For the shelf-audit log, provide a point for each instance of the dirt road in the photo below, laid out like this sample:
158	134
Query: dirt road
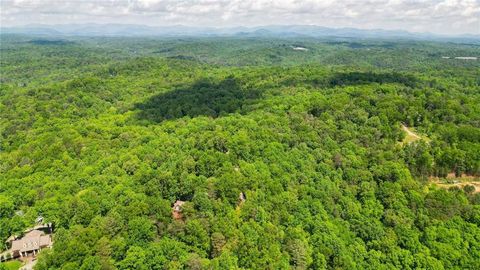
410	133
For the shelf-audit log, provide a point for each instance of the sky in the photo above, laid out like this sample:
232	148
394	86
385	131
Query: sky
435	16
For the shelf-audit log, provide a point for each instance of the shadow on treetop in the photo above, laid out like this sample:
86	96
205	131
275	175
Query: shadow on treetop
208	97
356	78
205	97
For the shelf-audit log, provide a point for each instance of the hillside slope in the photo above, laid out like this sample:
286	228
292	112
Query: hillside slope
103	143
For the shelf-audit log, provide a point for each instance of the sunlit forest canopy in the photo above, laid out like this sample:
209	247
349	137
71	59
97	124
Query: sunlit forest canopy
345	154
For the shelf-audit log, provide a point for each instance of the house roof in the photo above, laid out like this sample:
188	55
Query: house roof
177	209
40	227
177	206
45	240
11	238
32	240
33	233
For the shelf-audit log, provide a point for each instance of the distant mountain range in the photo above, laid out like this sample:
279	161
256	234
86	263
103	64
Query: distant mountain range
259	31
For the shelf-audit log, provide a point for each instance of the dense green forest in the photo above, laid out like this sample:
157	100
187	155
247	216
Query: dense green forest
101	136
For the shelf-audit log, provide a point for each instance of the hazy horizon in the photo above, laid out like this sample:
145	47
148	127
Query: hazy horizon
444	17
230	27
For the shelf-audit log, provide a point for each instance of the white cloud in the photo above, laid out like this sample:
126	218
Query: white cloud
440	16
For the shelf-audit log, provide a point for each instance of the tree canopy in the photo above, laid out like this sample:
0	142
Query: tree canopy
101	141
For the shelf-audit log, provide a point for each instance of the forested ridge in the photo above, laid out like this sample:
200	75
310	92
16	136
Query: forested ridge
101	136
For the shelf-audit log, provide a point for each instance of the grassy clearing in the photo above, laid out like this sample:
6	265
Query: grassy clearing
412	136
460	185
12	265
452	181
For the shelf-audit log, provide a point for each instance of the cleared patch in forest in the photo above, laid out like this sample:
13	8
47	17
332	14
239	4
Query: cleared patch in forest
412	136
461	182
298	48
466	57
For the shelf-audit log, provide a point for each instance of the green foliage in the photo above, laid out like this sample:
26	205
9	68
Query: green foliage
135	259
102	141
10	265
140	231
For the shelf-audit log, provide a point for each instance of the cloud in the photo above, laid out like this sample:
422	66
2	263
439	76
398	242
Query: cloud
439	16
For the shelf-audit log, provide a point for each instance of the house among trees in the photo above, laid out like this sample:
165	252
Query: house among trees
242	197
177	209
31	242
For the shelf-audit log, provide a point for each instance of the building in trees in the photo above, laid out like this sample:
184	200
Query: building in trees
241	198
177	209
31	242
